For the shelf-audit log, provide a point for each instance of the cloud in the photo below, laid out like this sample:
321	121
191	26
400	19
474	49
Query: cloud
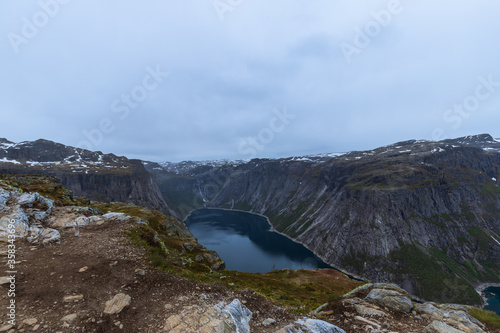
226	77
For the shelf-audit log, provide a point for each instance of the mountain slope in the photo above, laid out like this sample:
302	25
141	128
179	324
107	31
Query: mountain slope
420	213
98	176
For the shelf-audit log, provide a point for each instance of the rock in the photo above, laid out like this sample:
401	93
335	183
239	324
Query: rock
69	318
117	216
188	246
366	321
440	327
43	235
117	303
455	307
430	310
233	317
4	198
28	199
307	325
390	299
30	321
240	315
5	328
465	319
268	321
73	298
5	280
20	221
368	311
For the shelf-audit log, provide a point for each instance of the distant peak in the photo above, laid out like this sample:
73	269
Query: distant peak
475	138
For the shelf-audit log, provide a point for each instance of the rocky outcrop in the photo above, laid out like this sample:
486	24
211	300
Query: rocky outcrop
22	215
94	175
367	212
375	306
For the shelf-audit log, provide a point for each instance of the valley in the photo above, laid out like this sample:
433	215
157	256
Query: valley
422	214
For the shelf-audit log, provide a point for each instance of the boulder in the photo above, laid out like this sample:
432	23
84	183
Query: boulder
390	299
430	310
4	198
28	199
117	304
440	327
43	235
230	318
308	325
368	311
241	315
20	222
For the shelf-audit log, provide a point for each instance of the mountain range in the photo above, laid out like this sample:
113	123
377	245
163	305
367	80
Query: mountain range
423	214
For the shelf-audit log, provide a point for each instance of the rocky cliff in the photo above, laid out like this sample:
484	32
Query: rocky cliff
422	214
97	176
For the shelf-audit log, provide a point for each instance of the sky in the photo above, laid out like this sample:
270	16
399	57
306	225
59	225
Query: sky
237	79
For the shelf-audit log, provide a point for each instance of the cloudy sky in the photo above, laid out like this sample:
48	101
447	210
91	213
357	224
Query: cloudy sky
192	80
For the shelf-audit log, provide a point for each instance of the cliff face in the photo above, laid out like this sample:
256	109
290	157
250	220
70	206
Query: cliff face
419	213
97	176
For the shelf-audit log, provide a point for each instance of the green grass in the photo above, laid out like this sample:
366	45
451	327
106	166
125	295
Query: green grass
485	316
47	186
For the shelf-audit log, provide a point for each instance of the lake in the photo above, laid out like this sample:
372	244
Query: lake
493	294
244	241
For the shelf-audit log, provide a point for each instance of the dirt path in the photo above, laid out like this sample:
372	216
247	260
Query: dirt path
97	265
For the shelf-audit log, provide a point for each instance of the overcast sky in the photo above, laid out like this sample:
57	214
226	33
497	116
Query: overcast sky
200	79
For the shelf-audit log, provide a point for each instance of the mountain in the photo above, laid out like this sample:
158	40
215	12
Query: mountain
97	176
419	213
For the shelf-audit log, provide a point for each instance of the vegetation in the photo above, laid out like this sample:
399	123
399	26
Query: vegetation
47	186
440	277
485	316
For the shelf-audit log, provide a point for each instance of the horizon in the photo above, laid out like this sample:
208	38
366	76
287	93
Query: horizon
260	157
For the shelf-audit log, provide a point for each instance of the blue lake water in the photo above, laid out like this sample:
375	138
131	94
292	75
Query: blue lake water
493	294
244	241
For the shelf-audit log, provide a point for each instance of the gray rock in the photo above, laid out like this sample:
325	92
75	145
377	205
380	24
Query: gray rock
4	198
307	325
440	327
188	246
430	310
117	216
28	199
268	321
240	315
467	320
43	235
390	299
20	222
368	311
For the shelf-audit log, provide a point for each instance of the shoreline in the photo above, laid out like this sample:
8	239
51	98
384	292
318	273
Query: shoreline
480	288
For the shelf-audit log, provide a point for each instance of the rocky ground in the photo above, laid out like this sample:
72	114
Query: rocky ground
93	279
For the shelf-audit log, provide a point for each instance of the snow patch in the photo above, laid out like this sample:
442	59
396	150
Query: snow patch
5	160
